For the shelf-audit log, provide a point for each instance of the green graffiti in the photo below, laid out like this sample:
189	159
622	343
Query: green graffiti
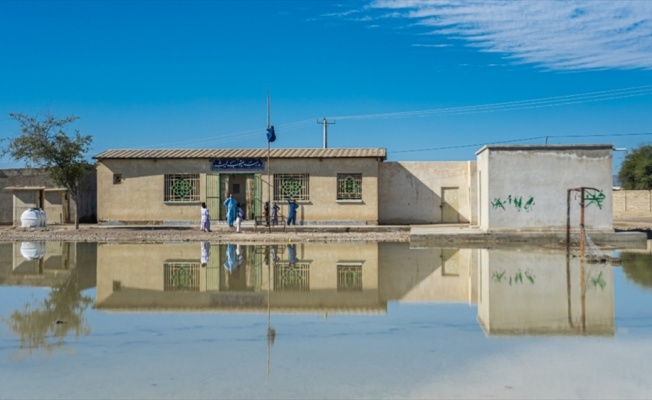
596	198
498	276
516	279
497	203
516	201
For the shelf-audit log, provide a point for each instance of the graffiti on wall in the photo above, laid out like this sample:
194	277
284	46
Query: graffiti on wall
516	202
516	279
594	197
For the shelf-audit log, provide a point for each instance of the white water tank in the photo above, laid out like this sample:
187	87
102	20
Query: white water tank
32	250
31	218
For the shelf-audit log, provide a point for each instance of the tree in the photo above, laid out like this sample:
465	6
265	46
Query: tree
636	170
43	143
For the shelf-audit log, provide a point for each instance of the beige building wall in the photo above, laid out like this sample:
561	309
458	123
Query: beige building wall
138	198
412	192
634	202
426	275
323	206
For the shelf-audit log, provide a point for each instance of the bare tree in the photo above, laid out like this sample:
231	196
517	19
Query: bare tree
44	143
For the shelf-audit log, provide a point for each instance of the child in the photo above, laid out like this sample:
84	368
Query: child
239	218
205	219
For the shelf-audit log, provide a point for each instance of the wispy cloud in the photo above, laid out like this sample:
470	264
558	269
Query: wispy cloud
564	35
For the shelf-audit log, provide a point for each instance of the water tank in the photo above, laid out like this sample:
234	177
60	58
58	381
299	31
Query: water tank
32	250
31	218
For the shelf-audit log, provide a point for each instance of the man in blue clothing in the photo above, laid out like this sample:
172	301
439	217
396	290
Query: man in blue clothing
231	206
292	212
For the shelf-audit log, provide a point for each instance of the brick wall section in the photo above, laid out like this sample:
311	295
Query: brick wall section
632	201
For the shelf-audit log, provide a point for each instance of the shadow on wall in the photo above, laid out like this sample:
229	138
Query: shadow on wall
414	195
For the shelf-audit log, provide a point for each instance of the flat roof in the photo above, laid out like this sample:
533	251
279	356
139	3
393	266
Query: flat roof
241	153
544	147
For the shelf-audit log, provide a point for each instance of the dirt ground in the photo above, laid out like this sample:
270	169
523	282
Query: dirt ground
158	234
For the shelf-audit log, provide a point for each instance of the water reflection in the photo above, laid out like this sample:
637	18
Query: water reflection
68	269
522	292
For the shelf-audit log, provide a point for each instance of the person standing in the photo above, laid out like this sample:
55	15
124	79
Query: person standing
266	213
231	205
239	218
205	218
292	212
275	209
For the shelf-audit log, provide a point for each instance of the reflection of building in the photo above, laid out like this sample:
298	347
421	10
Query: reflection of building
318	278
46	263
517	291
534	293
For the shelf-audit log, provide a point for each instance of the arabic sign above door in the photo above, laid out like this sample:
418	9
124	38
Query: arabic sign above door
237	164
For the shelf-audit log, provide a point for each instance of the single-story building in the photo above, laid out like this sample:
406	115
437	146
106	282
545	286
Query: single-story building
167	186
521	187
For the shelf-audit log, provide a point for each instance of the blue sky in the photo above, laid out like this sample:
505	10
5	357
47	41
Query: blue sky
427	80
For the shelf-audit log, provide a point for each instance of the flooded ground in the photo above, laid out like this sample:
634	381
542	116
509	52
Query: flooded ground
198	320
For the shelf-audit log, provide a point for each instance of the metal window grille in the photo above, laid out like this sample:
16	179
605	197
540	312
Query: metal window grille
181	276
349	186
291	186
181	188
349	277
292	277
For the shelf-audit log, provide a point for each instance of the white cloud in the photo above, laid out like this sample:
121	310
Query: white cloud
572	34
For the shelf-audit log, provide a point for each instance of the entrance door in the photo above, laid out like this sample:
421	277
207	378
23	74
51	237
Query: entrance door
246	191
450	200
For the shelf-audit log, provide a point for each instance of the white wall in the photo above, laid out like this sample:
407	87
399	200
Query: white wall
525	187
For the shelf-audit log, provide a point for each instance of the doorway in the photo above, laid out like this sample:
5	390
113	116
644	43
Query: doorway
244	187
450	202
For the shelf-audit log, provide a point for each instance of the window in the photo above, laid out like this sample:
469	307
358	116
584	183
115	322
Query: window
349	186
349	277
117	179
181	188
181	276
292	277
291	186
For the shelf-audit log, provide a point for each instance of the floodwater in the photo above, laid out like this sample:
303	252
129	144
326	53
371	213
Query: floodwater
320	321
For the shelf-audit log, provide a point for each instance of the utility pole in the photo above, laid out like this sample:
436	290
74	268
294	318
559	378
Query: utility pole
325	123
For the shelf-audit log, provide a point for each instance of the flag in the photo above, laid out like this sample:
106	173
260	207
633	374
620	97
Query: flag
271	135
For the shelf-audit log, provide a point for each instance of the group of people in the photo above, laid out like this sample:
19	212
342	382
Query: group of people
235	214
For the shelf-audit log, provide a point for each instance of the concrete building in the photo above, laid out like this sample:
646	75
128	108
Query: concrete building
167	186
526	187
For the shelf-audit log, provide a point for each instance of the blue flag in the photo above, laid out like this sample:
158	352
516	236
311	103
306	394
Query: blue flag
271	135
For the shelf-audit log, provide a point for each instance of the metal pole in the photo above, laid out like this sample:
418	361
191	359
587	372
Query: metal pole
269	182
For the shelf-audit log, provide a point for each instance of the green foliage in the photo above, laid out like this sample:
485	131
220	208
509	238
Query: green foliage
636	170
638	267
43	143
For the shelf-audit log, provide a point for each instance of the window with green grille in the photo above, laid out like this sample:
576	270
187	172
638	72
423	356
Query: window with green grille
291	186
349	186
349	277
181	188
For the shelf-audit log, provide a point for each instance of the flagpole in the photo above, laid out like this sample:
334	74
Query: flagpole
269	183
